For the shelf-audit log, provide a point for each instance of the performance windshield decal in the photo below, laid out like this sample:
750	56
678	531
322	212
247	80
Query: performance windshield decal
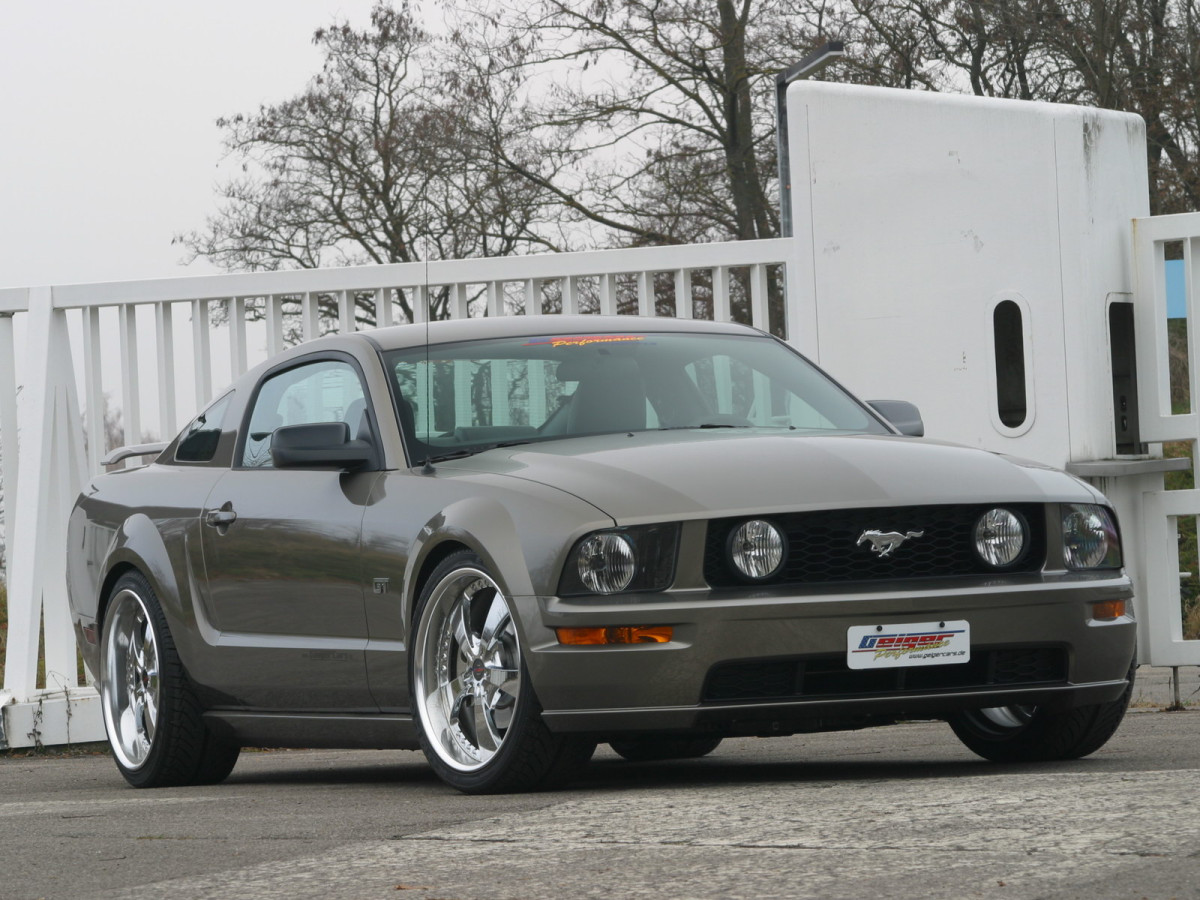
585	339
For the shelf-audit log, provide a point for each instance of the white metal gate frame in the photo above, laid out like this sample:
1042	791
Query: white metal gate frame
1162	633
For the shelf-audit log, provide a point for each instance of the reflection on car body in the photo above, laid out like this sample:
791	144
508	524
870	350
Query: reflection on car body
506	540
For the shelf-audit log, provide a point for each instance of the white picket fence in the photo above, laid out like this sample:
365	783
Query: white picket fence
59	331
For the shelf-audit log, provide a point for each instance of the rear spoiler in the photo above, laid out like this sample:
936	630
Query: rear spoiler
121	453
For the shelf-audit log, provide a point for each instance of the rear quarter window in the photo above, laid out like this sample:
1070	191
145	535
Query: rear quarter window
199	440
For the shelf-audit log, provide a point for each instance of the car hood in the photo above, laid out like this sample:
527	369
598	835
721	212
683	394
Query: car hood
649	476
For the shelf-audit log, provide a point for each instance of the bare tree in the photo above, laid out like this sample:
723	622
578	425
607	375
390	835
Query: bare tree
654	119
375	162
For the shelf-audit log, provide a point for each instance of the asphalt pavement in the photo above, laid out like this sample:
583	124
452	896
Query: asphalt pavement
903	811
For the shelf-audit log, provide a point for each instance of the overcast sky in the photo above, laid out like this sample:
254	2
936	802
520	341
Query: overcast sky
108	145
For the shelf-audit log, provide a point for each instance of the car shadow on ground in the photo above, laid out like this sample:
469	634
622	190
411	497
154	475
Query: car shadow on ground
610	775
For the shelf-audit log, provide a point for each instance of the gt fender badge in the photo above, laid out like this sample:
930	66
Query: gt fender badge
884	542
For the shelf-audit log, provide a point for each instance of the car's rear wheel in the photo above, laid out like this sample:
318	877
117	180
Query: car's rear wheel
653	747
478	718
154	722
1037	734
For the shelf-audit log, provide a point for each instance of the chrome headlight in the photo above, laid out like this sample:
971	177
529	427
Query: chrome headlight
1090	538
605	563
756	549
1000	537
622	559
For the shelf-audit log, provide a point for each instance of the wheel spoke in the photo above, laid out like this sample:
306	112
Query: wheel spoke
498	618
460	693
486	738
462	634
502	679
137	650
149	714
148	657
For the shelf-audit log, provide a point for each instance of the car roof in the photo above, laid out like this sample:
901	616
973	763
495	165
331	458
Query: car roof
403	336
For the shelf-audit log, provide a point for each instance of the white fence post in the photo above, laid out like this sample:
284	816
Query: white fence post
202	342
53	468
164	340
8	427
131	396
93	388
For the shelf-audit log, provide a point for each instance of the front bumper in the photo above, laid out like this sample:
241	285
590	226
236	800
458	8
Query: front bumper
658	687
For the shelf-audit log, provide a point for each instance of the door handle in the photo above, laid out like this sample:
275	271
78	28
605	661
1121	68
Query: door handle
220	518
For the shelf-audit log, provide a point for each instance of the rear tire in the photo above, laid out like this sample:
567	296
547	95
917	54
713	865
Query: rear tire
154	722
654	747
479	721
1036	734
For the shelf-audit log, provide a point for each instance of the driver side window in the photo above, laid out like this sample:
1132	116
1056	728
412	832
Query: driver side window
323	391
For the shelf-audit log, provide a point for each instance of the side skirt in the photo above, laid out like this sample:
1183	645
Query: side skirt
357	732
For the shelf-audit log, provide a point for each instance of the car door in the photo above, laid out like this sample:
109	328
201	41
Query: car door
282	550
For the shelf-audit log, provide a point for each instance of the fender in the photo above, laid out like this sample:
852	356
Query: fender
484	526
139	543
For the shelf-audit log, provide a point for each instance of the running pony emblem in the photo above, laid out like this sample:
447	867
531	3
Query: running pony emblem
884	542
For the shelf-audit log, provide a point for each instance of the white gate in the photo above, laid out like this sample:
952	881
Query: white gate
1162	631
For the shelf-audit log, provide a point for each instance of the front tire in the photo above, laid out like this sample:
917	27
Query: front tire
1036	734
478	719
154	722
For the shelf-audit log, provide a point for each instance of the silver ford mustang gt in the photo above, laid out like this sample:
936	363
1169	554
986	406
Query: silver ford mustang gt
506	540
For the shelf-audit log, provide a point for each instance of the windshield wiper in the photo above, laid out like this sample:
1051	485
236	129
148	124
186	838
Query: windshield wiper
703	425
454	454
471	451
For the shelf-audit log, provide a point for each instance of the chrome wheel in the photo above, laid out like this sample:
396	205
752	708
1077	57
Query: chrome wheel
1007	718
467	672
130	680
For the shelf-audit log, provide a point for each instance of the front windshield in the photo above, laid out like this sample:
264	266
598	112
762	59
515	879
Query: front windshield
457	399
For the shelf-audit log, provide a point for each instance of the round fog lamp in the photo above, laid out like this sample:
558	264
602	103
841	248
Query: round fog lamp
999	537
756	548
606	563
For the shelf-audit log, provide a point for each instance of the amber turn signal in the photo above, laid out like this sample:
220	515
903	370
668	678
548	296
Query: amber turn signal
1109	609
632	634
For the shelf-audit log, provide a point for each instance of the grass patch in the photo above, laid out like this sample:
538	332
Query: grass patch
64	751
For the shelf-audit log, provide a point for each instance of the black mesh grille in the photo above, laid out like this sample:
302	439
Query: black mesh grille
822	547
829	676
1028	666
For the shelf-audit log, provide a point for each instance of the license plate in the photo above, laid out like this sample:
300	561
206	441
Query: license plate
909	644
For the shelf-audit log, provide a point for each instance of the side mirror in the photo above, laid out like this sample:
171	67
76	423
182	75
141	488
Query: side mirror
323	445
903	416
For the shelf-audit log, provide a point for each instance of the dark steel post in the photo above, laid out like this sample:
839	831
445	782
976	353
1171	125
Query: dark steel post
812	63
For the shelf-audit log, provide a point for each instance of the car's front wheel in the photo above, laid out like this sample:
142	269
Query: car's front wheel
478	718
154	722
1037	734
